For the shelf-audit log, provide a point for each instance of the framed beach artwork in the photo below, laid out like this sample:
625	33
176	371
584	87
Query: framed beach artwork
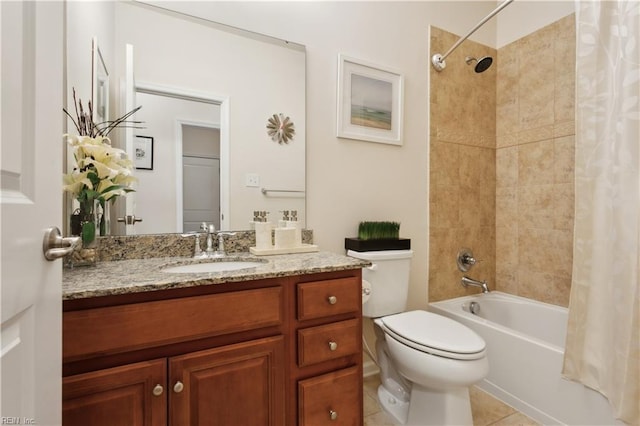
370	101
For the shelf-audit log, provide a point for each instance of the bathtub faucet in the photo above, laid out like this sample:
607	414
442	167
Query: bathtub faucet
466	282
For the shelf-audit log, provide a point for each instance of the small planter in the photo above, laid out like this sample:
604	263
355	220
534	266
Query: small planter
356	244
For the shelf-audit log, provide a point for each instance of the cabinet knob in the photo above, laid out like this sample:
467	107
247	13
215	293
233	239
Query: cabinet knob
333	346
157	390
332	300
178	387
333	415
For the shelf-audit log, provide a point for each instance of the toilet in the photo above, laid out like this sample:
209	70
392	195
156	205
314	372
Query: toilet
427	361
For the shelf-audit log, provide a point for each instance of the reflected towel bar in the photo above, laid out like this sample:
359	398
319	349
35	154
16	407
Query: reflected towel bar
293	193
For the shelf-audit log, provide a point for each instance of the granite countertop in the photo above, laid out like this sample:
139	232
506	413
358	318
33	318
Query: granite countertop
142	275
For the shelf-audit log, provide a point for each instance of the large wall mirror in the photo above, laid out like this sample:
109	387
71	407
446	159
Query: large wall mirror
207	92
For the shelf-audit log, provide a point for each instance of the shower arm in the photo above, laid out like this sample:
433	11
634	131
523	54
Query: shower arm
438	60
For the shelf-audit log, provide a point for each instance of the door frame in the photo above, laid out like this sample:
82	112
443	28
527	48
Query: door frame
210	98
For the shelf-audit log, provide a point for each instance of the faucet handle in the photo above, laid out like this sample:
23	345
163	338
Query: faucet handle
197	251
465	259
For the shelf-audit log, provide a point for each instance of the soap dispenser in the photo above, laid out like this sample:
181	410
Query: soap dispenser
293	223
263	231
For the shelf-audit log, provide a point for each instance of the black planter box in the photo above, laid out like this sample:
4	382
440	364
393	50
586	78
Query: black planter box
357	244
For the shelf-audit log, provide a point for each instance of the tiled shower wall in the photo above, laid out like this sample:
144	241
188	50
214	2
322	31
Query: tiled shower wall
502	165
535	164
462	166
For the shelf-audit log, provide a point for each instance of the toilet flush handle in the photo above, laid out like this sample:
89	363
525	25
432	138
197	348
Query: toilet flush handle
373	267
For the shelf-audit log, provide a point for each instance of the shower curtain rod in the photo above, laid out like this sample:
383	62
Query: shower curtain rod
438	60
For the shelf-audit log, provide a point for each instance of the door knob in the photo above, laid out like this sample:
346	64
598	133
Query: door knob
55	246
130	219
178	387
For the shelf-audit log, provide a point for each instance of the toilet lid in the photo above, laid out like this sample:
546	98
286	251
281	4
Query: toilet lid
435	334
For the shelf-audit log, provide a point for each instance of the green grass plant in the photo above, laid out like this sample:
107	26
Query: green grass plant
379	230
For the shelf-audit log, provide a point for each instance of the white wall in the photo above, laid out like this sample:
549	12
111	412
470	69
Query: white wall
521	18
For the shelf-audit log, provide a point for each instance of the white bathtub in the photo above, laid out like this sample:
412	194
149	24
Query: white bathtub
525	344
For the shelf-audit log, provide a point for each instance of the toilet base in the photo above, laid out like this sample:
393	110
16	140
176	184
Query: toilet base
439	407
395	408
428	407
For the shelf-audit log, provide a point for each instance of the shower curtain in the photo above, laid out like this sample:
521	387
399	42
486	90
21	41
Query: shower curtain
602	349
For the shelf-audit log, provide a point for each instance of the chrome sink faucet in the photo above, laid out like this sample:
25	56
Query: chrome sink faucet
466	282
209	229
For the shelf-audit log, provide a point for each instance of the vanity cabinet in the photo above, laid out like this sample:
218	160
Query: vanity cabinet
277	351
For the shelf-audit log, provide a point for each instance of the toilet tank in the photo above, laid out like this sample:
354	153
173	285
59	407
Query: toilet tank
389	279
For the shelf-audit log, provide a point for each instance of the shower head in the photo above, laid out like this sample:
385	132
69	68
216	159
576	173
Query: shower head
482	64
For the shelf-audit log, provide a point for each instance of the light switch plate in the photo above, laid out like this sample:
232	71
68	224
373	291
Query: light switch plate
252	179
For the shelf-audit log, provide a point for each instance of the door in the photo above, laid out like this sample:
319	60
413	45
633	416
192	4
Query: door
235	385
30	202
200	192
128	395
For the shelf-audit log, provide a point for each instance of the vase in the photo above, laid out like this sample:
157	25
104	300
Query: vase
85	223
105	218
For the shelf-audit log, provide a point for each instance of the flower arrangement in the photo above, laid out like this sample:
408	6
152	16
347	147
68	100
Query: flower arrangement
101	173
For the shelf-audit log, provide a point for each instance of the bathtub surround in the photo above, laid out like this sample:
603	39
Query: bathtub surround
462	167
534	164
502	166
603	348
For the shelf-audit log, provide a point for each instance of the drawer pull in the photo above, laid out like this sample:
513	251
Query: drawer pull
157	390
178	387
333	415
332	300
333	346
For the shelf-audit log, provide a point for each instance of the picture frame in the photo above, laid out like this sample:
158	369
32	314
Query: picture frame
99	84
370	102
143	149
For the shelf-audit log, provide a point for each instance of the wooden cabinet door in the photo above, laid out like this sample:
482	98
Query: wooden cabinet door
129	395
240	384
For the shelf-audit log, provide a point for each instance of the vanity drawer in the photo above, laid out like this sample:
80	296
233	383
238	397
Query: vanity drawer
331	297
325	342
116	329
333	398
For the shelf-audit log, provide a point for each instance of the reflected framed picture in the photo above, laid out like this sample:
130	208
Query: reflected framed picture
143	148
370	100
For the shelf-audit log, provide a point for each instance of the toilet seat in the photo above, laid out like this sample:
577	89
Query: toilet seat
434	334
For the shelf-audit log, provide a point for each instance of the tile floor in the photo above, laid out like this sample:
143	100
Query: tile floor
486	410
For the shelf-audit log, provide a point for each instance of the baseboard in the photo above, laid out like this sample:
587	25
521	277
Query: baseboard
369	368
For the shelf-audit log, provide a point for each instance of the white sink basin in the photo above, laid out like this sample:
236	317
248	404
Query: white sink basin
205	267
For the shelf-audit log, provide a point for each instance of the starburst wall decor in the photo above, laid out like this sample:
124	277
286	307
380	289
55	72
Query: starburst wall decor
280	128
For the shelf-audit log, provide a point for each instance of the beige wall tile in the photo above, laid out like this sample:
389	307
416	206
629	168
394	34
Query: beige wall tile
536	206
564	159
507	167
563	202
535	163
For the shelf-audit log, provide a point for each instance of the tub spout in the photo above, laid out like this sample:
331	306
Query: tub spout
466	282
